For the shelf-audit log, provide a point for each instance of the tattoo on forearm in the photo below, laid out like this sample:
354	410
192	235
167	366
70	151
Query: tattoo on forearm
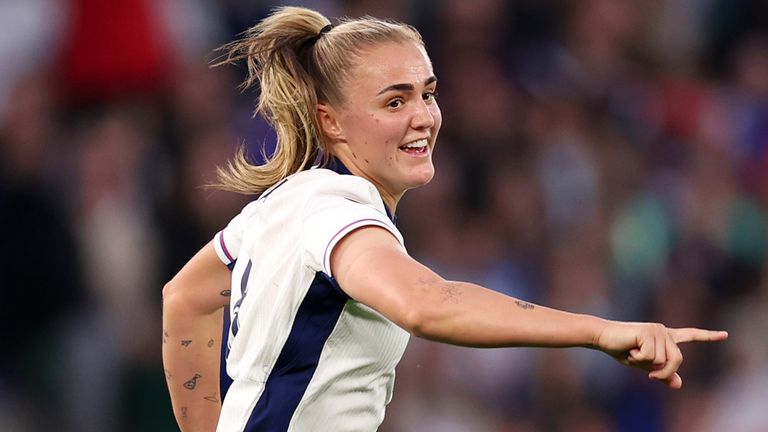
210	343
183	412
192	383
212	398
226	293
186	342
425	281
451	293
523	305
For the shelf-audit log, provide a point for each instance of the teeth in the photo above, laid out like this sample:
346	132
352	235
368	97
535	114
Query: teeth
417	144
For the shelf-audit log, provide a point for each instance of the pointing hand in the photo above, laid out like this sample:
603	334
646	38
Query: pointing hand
652	347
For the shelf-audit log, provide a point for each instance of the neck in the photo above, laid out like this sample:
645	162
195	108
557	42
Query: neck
389	200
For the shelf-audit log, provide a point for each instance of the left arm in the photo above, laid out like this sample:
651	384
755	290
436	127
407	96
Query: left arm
193	304
374	269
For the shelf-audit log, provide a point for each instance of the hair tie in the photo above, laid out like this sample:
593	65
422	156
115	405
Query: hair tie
326	29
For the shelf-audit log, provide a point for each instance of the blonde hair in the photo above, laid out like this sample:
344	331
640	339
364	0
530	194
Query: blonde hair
297	59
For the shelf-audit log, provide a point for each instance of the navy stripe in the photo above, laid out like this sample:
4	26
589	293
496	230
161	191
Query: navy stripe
315	320
272	189
224	380
336	166
243	291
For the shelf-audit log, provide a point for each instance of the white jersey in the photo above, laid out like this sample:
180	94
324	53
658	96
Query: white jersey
302	355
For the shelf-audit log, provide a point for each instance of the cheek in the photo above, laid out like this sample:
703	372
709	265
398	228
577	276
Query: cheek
391	130
438	116
380	134
374	137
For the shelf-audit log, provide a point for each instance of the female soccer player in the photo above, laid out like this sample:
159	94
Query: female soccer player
323	295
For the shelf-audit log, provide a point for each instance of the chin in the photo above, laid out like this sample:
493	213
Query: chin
420	179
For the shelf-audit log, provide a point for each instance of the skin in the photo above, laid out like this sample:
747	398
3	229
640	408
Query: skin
389	102
193	303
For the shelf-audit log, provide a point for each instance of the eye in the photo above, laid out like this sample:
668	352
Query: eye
395	103
429	96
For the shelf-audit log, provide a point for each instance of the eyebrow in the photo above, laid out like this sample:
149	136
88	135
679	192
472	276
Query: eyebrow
406	87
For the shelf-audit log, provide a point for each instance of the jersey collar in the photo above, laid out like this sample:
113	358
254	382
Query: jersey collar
335	165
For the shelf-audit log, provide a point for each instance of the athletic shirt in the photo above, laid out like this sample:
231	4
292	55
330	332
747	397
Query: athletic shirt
301	354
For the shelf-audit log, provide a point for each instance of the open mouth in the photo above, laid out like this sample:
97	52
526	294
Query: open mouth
419	147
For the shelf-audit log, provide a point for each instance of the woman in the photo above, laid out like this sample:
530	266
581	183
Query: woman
323	293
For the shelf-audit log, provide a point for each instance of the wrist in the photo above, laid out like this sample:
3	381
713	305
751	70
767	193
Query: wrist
596	330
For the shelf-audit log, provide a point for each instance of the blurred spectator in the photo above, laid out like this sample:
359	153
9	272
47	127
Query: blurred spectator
41	283
30	29
112	49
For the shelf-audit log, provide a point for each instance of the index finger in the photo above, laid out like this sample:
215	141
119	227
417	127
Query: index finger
682	335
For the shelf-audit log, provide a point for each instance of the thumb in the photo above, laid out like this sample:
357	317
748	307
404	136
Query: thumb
674	382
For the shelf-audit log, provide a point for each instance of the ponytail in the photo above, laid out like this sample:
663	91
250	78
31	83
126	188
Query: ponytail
272	51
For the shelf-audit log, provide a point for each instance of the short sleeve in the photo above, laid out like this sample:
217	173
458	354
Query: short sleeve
336	208
227	241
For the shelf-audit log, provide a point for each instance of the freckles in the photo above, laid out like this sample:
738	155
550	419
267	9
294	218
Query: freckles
366	161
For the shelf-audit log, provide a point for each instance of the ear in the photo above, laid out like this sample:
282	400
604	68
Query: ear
329	122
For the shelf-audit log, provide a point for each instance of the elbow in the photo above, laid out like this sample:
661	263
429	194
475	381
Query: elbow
176	301
167	290
422	316
417	321
170	294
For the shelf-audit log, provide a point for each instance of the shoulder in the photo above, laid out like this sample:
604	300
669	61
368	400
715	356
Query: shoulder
312	192
322	183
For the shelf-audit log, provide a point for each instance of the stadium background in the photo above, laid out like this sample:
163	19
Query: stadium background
601	156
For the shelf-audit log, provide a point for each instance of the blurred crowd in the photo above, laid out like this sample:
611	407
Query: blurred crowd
599	156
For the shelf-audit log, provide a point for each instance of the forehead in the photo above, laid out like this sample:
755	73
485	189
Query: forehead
390	63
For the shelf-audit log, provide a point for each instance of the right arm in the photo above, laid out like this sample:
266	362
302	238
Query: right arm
193	303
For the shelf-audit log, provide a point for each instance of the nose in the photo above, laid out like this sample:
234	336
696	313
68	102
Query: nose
423	118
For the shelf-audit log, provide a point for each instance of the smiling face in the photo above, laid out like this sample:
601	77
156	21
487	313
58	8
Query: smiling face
385	130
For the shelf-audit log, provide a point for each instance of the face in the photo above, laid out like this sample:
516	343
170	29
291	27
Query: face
388	124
